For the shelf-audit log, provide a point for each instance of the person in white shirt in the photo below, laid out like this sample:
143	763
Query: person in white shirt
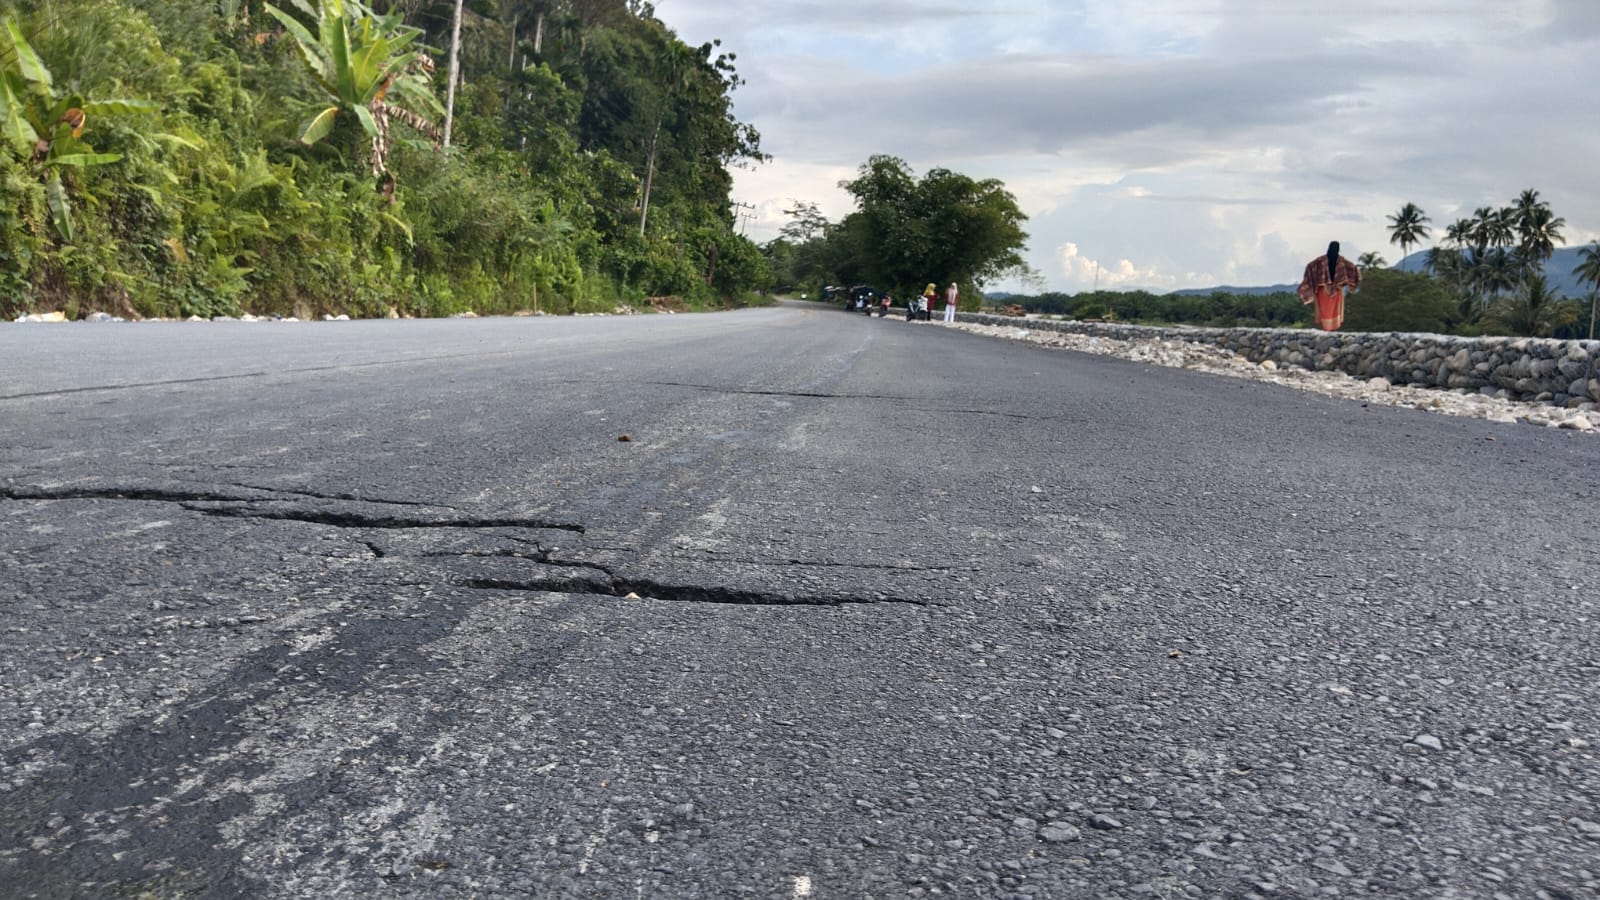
950	297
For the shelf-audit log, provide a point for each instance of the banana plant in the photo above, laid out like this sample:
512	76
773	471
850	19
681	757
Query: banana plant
371	68
45	128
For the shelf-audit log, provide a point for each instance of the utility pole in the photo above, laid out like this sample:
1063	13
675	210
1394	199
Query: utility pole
742	216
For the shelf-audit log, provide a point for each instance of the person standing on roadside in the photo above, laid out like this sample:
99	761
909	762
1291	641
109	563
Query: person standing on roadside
1325	282
951	295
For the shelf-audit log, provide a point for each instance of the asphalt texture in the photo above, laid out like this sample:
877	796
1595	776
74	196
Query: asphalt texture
776	603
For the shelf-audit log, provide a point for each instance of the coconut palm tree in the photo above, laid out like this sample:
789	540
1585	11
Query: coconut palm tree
1459	232
1533	311
1408	227
1498	271
1538	233
1588	272
1490	228
1371	259
1526	203
1588	268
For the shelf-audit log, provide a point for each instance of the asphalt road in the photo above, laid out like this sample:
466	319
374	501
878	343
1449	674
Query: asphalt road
776	603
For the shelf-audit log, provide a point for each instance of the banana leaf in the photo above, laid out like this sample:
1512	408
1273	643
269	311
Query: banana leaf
317	127
120	107
83	159
13	116
28	62
55	194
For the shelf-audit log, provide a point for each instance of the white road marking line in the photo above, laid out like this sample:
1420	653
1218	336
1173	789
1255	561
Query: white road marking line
595	840
802	886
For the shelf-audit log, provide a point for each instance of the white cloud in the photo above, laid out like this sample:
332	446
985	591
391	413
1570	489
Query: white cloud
1202	138
1083	273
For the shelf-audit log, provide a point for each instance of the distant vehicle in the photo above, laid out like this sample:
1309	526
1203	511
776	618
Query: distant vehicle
863	299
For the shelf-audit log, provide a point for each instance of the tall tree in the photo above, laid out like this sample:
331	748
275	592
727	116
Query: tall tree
945	227
454	72
1538	233
1588	268
1408	227
1588	272
806	222
1490	228
1371	259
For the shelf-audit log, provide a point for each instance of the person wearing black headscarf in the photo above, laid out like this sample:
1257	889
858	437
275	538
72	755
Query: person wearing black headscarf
1325	282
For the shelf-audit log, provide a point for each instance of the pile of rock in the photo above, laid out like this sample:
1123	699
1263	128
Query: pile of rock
1304	352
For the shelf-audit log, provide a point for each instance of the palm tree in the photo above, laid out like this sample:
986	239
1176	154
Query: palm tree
1408	227
1498	271
1459	232
1533	311
1588	268
1525	205
1490	228
1588	272
1371	259
1539	231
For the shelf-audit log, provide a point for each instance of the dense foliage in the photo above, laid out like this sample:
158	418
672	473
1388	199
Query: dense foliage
1218	309
906	232
183	157
1491	265
1388	300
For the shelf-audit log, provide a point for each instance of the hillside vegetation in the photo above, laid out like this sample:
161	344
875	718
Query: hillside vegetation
197	157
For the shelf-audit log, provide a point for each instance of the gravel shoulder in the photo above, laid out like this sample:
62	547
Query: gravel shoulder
1218	361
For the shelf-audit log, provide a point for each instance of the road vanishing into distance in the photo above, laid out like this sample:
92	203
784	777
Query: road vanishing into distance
774	603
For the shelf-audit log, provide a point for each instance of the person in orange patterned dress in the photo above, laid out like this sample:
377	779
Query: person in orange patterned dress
1325	282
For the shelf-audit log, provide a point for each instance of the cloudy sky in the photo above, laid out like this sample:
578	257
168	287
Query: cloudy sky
1163	144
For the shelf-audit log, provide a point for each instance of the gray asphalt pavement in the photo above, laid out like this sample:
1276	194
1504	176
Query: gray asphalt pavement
778	603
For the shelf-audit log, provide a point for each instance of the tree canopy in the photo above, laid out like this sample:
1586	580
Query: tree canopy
944	227
294	162
906	232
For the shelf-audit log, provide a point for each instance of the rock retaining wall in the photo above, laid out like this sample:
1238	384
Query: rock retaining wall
1565	373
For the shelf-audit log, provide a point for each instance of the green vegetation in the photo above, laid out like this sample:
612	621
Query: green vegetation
1485	277
1491	265
906	232
204	157
1215	310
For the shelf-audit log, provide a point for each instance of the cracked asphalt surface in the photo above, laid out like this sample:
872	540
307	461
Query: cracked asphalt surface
858	608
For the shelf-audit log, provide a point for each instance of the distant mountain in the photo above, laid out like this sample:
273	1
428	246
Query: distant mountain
1242	291
1557	270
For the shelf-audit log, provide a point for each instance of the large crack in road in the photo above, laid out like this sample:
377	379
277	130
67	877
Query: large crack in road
154	801
552	575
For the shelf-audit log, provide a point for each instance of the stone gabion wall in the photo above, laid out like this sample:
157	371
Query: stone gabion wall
1565	373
